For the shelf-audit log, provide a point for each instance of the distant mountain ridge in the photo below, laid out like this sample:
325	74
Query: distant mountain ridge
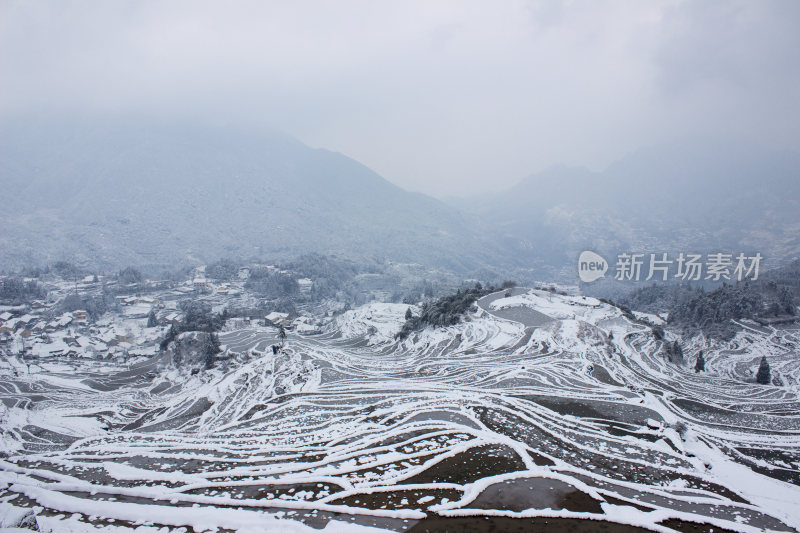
683	197
119	191
116	192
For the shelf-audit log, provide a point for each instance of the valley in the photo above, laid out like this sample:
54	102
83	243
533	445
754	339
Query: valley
561	421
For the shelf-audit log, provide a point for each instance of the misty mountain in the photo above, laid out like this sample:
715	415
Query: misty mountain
110	193
698	197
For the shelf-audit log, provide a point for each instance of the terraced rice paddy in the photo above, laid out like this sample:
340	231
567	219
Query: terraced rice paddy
538	412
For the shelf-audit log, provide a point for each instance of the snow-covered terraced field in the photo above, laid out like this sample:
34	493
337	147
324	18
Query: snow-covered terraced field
573	419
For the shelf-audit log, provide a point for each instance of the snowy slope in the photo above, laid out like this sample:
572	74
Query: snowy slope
581	417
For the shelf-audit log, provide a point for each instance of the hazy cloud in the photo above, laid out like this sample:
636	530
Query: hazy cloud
442	97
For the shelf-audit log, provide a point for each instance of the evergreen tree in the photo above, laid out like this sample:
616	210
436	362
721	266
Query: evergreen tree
700	365
210	349
763	375
677	350
129	275
786	301
674	352
168	338
443	312
408	313
151	320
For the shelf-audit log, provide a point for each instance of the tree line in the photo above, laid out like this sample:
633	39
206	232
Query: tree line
445	311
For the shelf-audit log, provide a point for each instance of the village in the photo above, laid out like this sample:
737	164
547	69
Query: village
135	320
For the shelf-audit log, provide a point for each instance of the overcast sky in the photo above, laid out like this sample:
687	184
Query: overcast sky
447	98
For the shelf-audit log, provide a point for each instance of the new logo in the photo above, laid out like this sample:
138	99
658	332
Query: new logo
591	266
